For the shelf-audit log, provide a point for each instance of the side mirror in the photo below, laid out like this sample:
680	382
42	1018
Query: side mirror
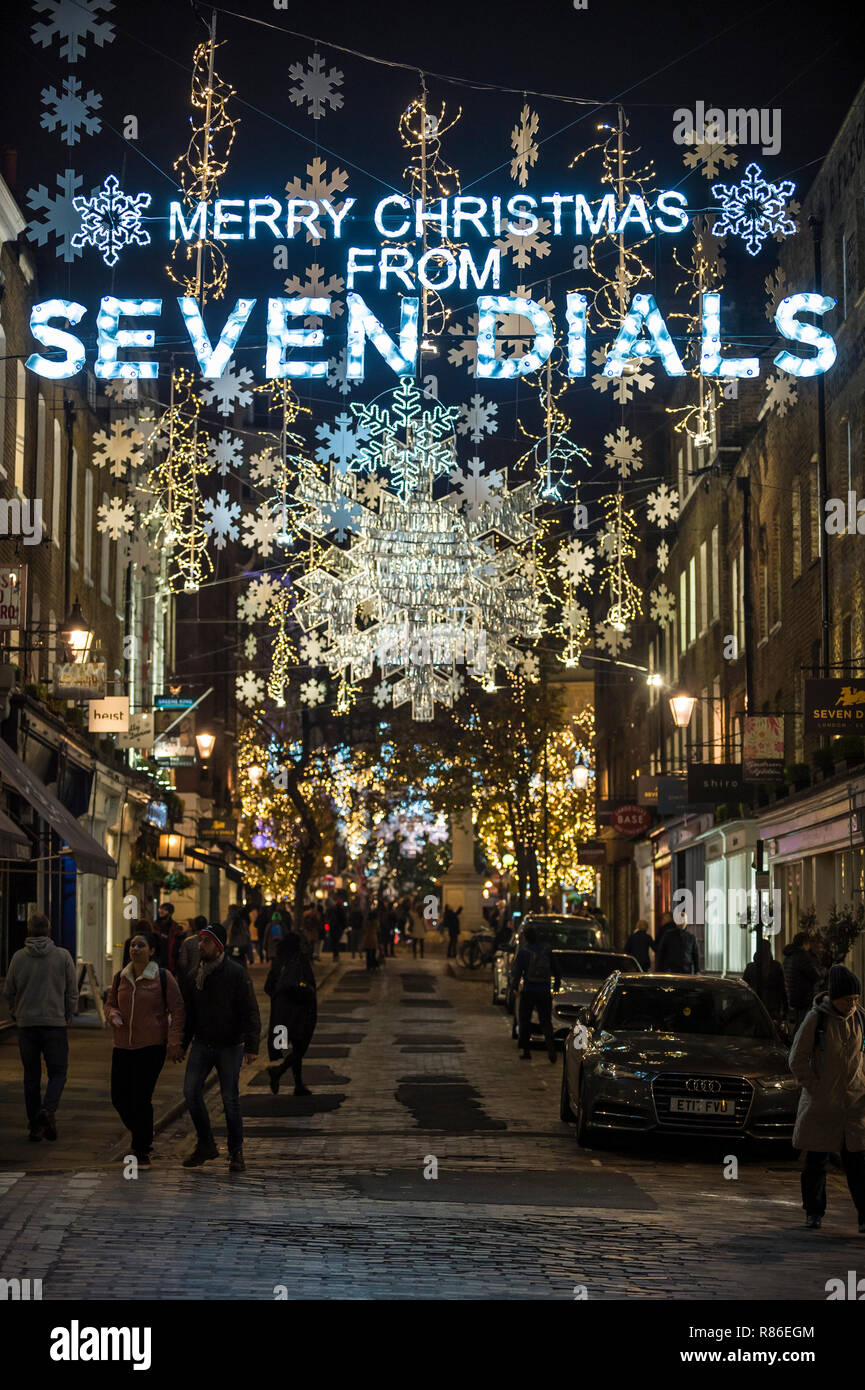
584	1017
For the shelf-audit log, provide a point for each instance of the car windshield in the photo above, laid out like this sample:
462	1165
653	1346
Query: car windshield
591	965
562	934
719	1011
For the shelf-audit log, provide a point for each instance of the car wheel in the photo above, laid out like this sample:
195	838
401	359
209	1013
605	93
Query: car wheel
584	1131
566	1114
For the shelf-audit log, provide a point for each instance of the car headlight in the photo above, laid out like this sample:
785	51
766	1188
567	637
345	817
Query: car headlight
783	1082
620	1070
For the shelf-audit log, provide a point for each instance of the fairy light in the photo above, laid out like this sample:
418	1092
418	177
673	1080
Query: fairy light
172	485
429	176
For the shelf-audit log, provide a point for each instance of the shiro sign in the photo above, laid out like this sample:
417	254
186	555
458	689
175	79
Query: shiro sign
399	264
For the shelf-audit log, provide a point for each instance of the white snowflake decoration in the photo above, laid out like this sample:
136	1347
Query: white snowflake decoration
370	492
73	21
226	452
250	647
478	418
311	650
61	219
337	378
318	186
316	86
382	696
316	287
229	391
121	446
576	562
249	688
781	395
611	639
111	220
342	442
254	603
71	110
623	452
663	557
776	289
709	154
754	209
662	604
634	377
313	692
263	467
116	517
476	488
662	507
523	141
521	249
260	529
222	519
530	668
122	388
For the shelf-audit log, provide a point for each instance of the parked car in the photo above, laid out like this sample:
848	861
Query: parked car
677	1054
582	974
562	931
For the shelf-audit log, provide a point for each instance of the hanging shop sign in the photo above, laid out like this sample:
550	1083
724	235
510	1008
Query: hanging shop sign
139	734
174	746
110	715
591	852
666	795
630	820
711	783
834	706
80	680
214	828
763	747
175	697
12	589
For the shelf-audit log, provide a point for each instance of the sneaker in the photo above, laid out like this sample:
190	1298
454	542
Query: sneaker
200	1154
302	1091
236	1163
815	1222
49	1127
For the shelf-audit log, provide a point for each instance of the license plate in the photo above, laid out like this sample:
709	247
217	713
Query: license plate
694	1105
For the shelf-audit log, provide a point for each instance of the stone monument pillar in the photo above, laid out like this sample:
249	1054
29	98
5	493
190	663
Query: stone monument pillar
462	885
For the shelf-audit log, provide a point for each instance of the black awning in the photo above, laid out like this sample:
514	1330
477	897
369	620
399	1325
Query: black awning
217	861
89	856
13	842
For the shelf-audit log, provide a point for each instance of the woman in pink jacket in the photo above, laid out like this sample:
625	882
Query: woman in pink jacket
145	1008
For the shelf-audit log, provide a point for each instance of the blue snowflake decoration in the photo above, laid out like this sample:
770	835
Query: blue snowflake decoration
111	220
341	516
342	441
754	209
71	111
61	218
73	21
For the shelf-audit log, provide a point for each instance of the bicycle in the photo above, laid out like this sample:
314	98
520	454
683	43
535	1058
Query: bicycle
477	952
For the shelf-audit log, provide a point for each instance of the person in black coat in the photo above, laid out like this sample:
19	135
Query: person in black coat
293	1009
766	979
801	975
640	943
678	953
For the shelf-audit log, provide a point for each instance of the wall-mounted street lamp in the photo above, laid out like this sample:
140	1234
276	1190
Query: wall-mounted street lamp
171	846
205	744
76	634
581	774
682	707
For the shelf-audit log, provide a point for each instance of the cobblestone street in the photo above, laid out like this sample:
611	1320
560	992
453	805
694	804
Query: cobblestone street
410	1066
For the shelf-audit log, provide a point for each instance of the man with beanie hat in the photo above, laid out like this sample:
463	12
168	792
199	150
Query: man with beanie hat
828	1060
223	1027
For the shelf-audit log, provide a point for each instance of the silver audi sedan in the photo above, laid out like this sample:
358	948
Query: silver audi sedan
677	1054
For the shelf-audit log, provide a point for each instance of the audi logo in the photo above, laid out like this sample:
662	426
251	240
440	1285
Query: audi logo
697	1083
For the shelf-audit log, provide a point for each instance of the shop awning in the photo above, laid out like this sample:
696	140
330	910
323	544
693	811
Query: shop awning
89	856
217	861
13	842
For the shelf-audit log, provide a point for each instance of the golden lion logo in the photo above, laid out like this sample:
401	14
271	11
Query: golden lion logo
849	696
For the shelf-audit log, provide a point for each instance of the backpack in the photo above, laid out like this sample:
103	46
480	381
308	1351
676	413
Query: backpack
162	974
539	968
276	927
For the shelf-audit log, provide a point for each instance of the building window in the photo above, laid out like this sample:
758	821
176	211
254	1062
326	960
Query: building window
692	600
683	611
56	484
716	576
741	597
717	722
815	526
763	553
704	587
20	425
72	539
105	560
119	581
41	419
88	527
796	526
777	586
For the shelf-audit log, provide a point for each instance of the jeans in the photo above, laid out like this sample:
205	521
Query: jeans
134	1073
543	1003
34	1043
228	1061
814	1181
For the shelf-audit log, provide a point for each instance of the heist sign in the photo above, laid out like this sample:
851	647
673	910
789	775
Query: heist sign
643	332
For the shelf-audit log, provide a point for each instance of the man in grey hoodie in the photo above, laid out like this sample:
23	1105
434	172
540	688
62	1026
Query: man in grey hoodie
43	995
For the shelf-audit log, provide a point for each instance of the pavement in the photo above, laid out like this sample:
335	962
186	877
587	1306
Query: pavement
429	1162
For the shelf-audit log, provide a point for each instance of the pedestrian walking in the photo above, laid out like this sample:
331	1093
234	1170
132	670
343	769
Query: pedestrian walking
222	1029
137	925
387	932
187	955
144	1007
369	940
665	924
416	928
678	953
254	939
165	930
801	976
828	1061
42	995
766	979
533	974
293	1012
451	925
355	928
337	921
237	943
640	944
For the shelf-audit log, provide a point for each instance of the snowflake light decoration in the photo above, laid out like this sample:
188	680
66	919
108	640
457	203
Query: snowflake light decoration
662	507
636	377
781	395
478	418
317	187
61	220
521	249
623	452
315	86
610	638
121	446
662	604
337	377
222	519
228	392
342	442
427	445
709	153
382	694
313	692
754	209
524	143
662	558
261	529
316	287
576	562
73	22
71	111
311	650
226	453
476	489
254	603
116	517
111	220
249	688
